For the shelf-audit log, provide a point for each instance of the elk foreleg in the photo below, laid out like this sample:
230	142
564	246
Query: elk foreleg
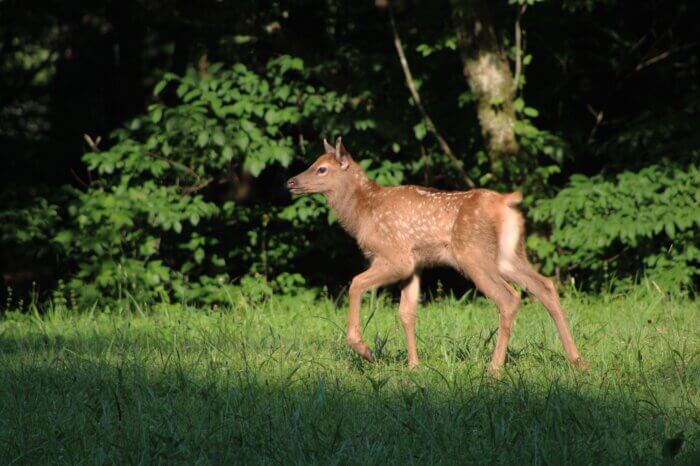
381	272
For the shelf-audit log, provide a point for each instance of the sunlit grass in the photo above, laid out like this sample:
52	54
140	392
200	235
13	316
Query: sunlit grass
274	384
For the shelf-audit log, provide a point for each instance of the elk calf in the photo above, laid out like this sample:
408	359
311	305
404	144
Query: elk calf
404	229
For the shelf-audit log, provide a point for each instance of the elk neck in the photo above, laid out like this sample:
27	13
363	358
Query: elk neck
351	200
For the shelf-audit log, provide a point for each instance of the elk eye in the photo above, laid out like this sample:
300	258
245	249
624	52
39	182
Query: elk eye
321	170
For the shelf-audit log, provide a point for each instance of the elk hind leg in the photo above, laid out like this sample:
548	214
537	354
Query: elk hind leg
521	272
487	279
407	314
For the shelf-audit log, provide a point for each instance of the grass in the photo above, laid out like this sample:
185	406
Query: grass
274	384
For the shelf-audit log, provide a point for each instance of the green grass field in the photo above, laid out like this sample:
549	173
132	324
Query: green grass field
274	384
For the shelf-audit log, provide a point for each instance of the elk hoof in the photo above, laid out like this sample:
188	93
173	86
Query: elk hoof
494	371
581	365
361	349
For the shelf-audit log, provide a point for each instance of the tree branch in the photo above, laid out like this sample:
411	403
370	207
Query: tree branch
180	166
92	143
518	48
416	98
199	183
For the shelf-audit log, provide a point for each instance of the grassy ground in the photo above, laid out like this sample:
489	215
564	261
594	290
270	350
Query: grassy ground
274	383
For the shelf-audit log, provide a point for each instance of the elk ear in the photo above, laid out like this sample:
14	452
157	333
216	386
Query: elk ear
341	154
328	148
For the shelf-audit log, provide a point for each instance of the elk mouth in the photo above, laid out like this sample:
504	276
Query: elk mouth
298	190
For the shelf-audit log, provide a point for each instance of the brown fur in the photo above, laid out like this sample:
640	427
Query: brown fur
404	229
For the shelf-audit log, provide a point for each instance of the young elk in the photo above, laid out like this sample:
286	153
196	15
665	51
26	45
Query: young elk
404	229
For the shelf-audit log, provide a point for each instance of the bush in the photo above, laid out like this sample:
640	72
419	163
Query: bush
609	230
156	220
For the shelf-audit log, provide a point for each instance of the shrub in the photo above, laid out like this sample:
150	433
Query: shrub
605	230
156	220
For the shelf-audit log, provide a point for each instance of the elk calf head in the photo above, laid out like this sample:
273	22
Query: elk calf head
328	173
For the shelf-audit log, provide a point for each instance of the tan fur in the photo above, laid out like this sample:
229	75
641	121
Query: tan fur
404	229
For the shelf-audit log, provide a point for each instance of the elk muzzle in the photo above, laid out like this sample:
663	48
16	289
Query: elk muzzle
294	186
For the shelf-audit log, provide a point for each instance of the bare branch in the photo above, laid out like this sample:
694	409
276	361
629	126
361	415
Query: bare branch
199	183
662	56
416	98
197	187
92	143
598	115
80	181
518	47
180	166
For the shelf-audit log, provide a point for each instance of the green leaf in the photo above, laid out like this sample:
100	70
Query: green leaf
531	112
166	149
218	138
670	229
191	95
424	49
202	138
156	114
283	92
241	140
420	131
519	104
496	100
271	117
160	86
254	165
64	237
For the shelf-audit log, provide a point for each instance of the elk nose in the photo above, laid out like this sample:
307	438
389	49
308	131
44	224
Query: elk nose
292	182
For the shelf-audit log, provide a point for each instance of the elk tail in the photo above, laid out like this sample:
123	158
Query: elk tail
513	199
511	231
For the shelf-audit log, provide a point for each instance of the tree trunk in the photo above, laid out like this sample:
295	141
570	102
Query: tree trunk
486	68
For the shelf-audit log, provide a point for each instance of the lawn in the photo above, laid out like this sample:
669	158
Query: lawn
272	383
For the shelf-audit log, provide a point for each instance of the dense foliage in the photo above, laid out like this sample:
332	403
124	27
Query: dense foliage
645	222
154	218
145	144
